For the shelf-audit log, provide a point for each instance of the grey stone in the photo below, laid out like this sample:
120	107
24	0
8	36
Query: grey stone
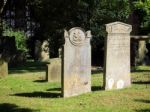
53	73
139	50
141	54
117	56
3	68
42	51
76	77
60	52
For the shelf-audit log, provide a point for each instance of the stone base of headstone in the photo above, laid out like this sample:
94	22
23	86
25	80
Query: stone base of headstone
3	68
53	73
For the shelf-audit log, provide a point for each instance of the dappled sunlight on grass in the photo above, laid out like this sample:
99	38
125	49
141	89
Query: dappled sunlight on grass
29	92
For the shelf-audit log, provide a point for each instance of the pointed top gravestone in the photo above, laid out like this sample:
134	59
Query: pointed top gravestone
76	78
117	56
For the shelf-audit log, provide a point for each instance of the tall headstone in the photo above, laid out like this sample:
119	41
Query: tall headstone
76	77
117	56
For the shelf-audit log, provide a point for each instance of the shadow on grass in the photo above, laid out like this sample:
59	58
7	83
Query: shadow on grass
39	94
93	88
141	82
40	81
97	88
142	100
7	107
54	89
28	67
143	110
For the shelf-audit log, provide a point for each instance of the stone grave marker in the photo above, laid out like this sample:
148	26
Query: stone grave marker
117	56
44	51
53	73
41	51
76	75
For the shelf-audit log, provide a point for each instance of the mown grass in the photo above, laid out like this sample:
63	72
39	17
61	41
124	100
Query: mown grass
26	91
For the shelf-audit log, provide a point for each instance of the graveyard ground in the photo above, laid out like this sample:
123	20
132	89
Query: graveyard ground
25	90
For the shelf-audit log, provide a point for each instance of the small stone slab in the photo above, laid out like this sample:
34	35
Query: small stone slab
53	73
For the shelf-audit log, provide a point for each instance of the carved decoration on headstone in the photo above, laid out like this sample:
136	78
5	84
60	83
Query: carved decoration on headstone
76	77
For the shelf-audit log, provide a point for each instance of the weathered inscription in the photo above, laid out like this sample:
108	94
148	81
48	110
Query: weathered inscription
76	78
117	56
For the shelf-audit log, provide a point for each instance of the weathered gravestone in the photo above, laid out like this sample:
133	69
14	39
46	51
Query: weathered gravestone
42	51
117	56
3	68
76	77
139	51
53	73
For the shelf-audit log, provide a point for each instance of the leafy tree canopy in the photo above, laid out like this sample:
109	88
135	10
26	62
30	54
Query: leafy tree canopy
53	16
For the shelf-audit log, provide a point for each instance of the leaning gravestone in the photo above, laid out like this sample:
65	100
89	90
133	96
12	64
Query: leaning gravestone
3	68
76	77
117	56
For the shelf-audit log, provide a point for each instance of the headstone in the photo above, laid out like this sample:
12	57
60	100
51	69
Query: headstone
76	77
139	50
44	51
3	68
142	51
117	56
41	51
53	73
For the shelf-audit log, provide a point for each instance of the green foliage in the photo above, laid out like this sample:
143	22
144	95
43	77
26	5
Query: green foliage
55	16
20	37
144	5
144	8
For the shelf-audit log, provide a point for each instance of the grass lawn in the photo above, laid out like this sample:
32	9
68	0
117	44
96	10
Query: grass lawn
25	90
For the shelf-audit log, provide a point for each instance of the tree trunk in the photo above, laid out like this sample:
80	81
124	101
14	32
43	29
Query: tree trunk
4	3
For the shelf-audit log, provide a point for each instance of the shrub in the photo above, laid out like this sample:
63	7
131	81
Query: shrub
20	37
